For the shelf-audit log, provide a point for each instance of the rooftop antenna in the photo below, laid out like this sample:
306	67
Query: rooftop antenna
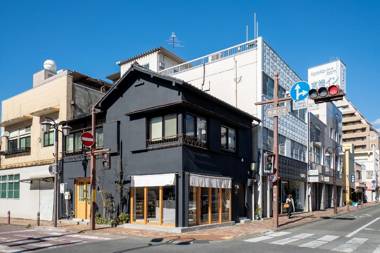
255	26
246	33
174	41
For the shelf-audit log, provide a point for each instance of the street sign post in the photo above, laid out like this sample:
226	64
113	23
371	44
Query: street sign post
277	111
87	139
300	91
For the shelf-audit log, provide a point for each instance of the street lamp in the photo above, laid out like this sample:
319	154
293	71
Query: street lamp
48	124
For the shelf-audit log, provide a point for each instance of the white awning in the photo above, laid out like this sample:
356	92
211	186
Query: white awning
153	180
210	181
35	173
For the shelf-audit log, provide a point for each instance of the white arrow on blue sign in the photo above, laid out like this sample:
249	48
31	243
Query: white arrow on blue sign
300	91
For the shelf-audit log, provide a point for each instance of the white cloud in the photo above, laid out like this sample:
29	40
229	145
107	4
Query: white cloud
376	122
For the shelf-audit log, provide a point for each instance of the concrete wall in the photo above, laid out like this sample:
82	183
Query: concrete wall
34	197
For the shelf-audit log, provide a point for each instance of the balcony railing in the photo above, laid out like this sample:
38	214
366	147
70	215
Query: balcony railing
211	58
17	151
176	140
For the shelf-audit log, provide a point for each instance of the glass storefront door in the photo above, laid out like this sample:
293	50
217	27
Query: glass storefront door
154	205
209	205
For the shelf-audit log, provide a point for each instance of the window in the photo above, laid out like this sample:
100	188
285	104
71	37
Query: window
99	137
10	186
48	139
19	141
196	126
73	143
202	130
228	138
170	125
317	154
163	127
189	125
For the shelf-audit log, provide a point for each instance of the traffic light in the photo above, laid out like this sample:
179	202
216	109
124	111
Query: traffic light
326	94
268	163
106	161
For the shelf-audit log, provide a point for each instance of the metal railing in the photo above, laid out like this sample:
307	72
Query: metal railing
228	52
176	140
16	151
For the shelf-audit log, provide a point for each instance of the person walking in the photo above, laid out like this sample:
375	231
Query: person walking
289	205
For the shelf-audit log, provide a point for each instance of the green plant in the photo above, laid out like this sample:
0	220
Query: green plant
123	218
100	220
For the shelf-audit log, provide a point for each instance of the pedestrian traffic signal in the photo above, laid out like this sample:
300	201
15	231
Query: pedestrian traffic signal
268	163
326	94
106	161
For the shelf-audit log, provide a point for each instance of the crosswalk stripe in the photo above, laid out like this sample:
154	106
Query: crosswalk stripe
319	242
292	239
267	236
350	245
90	237
7	249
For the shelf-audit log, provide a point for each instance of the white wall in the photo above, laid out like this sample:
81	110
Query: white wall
30	201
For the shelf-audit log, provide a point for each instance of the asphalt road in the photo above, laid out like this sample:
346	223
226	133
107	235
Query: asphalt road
357	232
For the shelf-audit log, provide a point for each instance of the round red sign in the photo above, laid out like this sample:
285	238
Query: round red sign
87	139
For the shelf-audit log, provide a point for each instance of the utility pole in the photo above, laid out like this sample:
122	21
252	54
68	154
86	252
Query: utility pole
56	178
276	104
93	170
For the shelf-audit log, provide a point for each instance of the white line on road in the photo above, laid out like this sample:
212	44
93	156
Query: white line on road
377	250
7	249
351	245
362	227
319	242
267	236
90	237
292	239
16	231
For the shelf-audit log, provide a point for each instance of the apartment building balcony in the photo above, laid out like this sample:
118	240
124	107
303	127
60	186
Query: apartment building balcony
351	119
354	127
359	135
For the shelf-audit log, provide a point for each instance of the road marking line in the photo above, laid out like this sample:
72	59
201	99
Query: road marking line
351	245
362	227
292	239
267	236
319	242
16	231
377	250
7	249
91	237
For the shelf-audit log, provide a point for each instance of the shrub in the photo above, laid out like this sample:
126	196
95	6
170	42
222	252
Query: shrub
123	218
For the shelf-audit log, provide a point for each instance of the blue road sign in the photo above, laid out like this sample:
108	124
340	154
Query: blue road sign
299	91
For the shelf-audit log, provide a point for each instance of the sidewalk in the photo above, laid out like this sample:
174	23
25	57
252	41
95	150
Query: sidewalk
213	234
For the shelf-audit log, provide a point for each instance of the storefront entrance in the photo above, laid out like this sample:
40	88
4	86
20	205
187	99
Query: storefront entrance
82	198
209	200
153	199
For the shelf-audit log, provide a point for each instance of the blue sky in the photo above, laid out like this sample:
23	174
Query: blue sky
90	36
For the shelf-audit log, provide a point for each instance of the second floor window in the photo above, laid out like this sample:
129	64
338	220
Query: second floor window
228	138
48	139
196	126
163	127
19	141
73	143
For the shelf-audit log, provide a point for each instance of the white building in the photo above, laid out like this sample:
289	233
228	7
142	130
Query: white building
242	75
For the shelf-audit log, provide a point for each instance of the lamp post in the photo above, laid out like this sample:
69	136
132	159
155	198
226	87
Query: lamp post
48	124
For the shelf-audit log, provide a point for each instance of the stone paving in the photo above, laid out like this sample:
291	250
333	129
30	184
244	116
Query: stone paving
213	234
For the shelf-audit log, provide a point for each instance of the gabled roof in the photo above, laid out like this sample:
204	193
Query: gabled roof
151	51
101	104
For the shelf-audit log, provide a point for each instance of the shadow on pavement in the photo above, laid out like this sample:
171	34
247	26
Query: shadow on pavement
160	241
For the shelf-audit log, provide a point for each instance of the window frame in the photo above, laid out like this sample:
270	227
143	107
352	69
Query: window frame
47	134
7	180
163	137
227	146
196	119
